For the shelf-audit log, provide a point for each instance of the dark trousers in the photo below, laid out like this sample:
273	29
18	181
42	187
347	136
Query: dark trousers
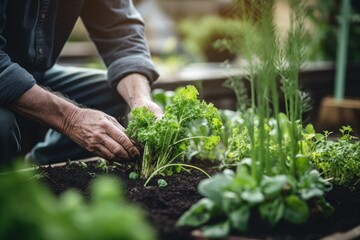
87	87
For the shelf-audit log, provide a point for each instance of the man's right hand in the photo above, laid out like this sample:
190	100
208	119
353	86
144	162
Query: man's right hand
100	133
91	129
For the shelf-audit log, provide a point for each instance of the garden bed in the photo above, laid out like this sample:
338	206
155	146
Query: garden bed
165	205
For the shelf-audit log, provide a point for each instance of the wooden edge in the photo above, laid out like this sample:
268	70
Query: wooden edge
28	169
353	233
198	235
64	163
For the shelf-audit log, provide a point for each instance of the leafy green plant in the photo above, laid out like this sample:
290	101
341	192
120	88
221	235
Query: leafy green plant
338	159
165	140
230	197
30	211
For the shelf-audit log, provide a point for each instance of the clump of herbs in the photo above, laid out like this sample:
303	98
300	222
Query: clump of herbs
274	177
165	140
336	159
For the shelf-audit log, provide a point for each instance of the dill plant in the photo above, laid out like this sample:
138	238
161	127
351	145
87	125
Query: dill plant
273	176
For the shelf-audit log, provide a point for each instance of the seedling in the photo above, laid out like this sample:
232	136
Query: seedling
162	183
102	164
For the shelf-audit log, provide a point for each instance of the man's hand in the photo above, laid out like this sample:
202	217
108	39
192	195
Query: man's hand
100	133
135	90
153	107
91	129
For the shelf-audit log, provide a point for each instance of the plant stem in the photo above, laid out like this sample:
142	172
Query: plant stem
174	164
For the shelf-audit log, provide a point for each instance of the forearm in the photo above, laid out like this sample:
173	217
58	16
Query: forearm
93	130
135	89
45	107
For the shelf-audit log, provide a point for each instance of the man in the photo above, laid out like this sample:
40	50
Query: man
32	34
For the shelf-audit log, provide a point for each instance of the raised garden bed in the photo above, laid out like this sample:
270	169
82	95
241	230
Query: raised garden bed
164	206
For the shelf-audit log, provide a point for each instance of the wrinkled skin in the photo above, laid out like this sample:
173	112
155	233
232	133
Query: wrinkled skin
91	129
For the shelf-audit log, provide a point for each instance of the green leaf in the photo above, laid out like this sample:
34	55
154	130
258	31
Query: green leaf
229	201
198	214
134	175
273	211
302	164
309	193
240	218
325	207
252	196
296	210
243	180
211	141
313	185
272	186
213	188
162	183
106	189
218	230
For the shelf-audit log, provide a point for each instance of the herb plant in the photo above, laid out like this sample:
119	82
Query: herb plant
165	140
337	159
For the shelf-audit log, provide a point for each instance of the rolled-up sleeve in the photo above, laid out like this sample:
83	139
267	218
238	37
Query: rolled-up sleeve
14	80
117	30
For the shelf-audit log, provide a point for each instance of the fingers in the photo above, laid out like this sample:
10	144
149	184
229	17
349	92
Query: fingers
102	134
111	150
157	112
120	141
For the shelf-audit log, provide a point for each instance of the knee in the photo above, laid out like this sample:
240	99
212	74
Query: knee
8	125
9	134
9	137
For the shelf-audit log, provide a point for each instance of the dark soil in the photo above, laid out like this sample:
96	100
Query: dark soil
165	205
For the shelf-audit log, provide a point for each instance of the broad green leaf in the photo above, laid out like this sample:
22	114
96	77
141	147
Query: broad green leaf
198	214
273	211
240	218
309	193
252	196
243	180
212	188
296	210
272	186
229	201
162	183
218	230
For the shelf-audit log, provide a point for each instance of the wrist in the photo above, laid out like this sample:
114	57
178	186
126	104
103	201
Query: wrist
135	89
